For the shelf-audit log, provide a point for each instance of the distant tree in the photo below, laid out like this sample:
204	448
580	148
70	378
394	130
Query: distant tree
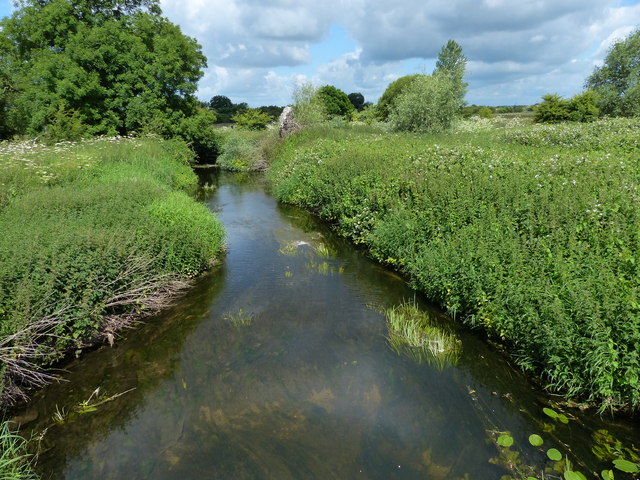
584	107
452	63
485	112
388	99
272	110
336	102
101	67
552	109
220	103
428	104
357	100
252	119
617	81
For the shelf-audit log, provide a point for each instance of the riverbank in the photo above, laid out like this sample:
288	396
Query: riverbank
529	233
95	234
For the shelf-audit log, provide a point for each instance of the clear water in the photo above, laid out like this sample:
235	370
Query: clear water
277	365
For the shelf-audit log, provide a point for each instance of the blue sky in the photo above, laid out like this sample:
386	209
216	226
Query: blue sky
518	50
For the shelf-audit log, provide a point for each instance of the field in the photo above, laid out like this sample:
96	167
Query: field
530	233
94	234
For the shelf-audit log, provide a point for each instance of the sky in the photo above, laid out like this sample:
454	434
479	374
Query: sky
517	50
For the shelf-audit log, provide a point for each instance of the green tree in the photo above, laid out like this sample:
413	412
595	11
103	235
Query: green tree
452	63
357	100
552	109
428	104
252	119
584	107
119	66
307	106
336	102
617	81
388	99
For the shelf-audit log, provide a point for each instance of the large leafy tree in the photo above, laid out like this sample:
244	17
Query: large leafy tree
452	63
388	100
117	66
617	81
336	102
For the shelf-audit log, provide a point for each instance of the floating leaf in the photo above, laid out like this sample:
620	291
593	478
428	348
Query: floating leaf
532	478
505	440
550	413
563	419
535	440
607	474
554	455
571	475
626	466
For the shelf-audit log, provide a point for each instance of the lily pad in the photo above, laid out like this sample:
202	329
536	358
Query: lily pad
550	412
626	466
563	418
505	440
607	474
535	440
571	475
554	455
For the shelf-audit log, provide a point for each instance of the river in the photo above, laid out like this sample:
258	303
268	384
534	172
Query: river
278	365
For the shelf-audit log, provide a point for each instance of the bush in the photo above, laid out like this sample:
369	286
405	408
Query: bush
387	101
252	119
336	103
553	109
428	105
307	107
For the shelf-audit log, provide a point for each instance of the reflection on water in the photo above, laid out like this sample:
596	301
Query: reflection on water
275	367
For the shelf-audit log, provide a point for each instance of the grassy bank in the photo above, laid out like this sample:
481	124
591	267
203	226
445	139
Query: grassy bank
531	233
93	234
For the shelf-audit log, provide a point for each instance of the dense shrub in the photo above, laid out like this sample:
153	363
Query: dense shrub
93	231
536	246
336	103
387	101
428	105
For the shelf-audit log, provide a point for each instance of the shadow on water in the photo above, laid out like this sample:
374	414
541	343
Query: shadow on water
277	365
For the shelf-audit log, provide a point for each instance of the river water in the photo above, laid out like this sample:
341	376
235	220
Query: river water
278	365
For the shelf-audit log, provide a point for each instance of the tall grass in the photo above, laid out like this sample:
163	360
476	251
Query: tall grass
15	462
93	233
529	233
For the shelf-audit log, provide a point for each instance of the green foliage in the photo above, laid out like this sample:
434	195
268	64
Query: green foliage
388	100
15	462
617	81
428	105
225	109
252	119
530	234
307	106
357	100
92	229
335	102
244	150
553	109
452	63
485	112
199	133
78	66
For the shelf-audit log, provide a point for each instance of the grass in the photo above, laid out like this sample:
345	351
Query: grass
246	150
93	234
15	462
415	333
527	232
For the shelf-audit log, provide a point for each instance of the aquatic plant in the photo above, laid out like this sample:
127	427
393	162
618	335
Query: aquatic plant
15	462
240	318
415	333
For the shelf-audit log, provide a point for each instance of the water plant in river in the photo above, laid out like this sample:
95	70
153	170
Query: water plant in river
415	333
15	462
240	318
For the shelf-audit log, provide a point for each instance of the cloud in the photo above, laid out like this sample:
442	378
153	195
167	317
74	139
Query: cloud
257	48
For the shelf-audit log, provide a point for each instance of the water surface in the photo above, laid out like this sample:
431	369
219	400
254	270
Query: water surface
277	365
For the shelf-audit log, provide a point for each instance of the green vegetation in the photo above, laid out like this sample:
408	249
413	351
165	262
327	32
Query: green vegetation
528	233
94	234
15	462
336	103
252	119
244	150
617	81
555	109
77	68
420	336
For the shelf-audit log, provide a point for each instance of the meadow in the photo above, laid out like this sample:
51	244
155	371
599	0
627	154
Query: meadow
528	233
94	234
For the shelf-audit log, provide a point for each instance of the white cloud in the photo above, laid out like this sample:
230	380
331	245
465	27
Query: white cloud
516	49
